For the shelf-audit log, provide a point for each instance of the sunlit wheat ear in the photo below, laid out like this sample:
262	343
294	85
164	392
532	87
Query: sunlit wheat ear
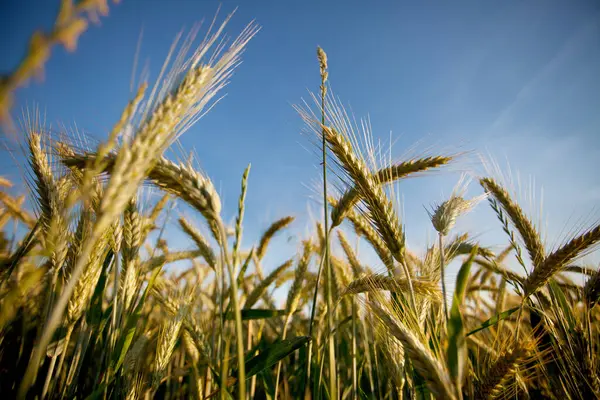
129	283
240	217
357	268
322	57
424	362
270	233
169	118
381	211
52	213
444	215
293	297
377	282
385	175
132	240
363	228
179	179
494	383
167	339
529	234
132	231
558	259
190	346
84	288
201	243
45	185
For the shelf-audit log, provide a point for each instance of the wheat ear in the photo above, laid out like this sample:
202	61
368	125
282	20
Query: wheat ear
270	233
437	378
531	237
557	260
381	210
499	373
201	243
240	217
357	268
375	282
385	175
363	228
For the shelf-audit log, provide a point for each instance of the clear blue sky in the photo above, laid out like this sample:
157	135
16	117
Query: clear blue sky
516	80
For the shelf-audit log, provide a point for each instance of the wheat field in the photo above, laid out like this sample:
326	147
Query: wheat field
91	307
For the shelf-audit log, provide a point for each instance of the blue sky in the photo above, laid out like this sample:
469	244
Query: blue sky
513	80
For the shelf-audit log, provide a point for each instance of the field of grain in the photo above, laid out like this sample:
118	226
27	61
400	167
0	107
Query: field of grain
90	308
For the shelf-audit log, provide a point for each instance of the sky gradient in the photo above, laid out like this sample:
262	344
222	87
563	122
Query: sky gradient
516	81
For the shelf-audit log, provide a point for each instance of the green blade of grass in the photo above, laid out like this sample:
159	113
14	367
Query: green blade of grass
257	313
277	351
494	320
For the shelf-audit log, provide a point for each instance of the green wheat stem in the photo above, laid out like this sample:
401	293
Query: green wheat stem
442	274
238	316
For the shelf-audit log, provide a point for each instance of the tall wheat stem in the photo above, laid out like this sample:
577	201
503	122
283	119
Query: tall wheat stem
310	328
49	374
443	276
354	366
238	316
63	354
331	340
283	336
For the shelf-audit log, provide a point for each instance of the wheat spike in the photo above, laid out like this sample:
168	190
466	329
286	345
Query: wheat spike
526	229
270	233
357	269
363	228
381	211
293	297
201	243
375	282
240	217
492	384
557	260
437	378
385	175
167	339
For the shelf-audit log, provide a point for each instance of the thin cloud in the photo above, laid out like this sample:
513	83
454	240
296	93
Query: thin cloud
575	44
